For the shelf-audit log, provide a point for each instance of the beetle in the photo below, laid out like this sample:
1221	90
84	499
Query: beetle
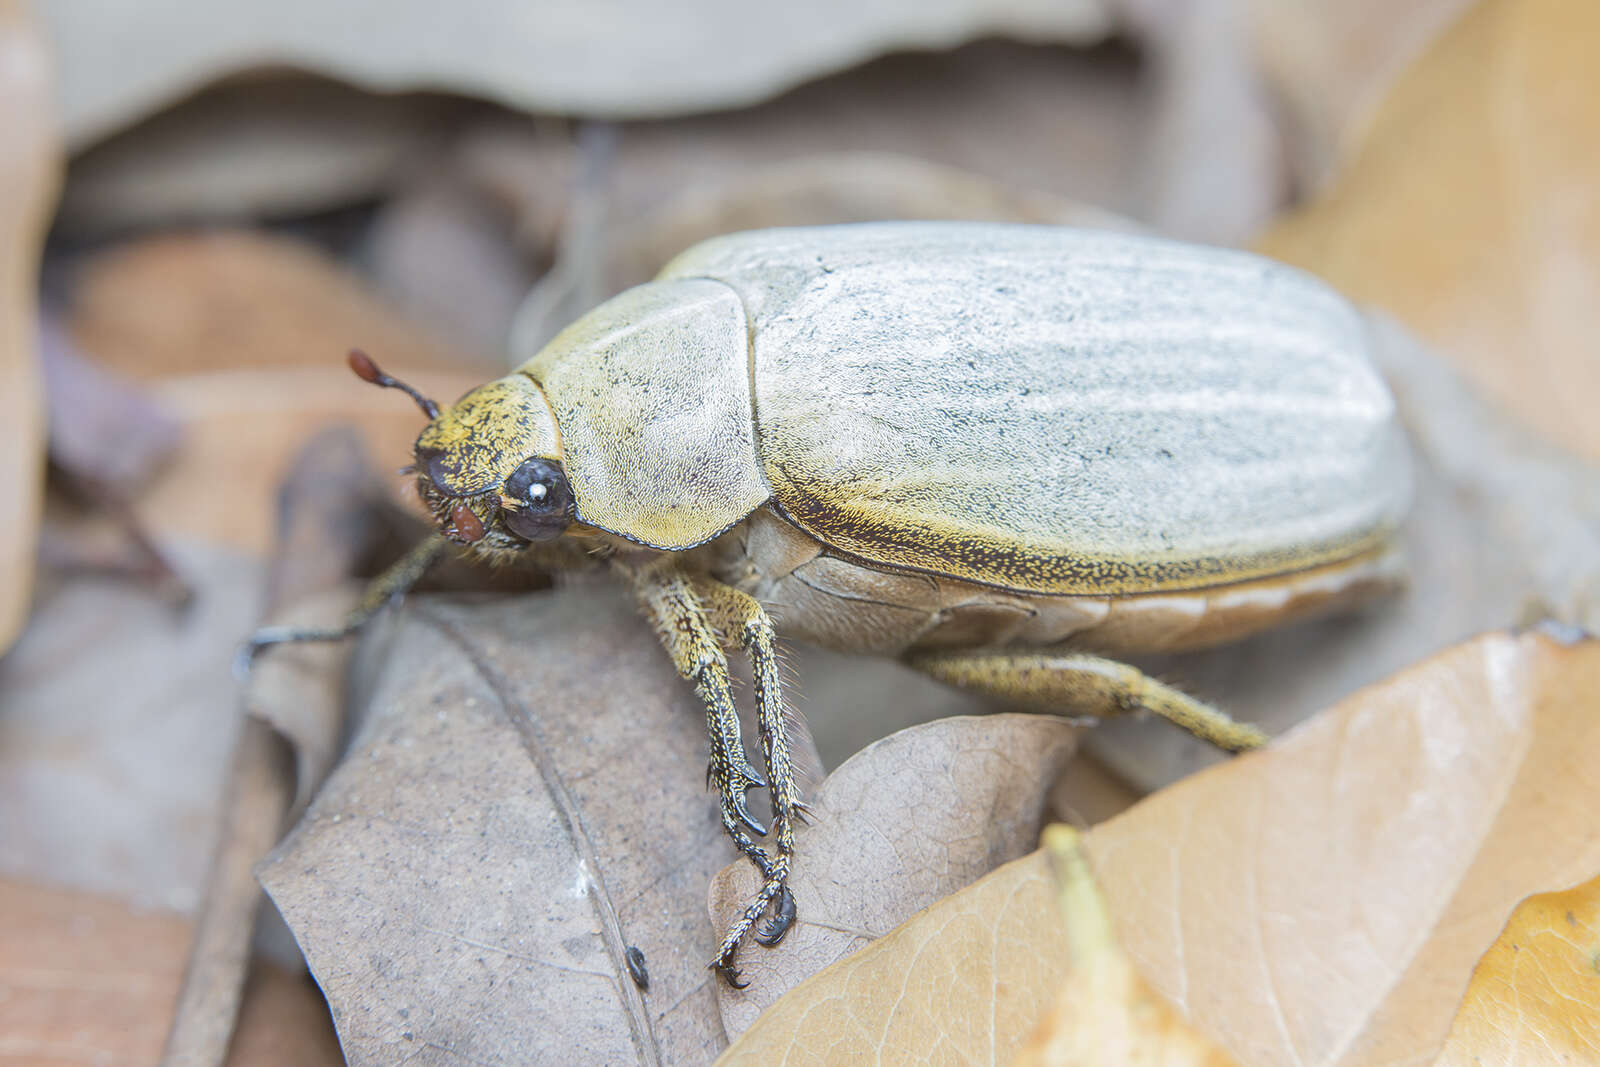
1005	454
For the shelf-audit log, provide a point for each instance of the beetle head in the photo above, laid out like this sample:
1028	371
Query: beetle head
489	466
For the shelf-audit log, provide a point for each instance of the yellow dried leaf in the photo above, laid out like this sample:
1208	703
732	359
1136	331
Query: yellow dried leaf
1323	901
1105	1013
1470	211
960	982
1535	995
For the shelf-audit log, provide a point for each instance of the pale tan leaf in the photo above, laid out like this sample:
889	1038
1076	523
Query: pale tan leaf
902	824
1324	901
1470	213
1535	995
1331	61
1105	1013
962	982
183	304
30	163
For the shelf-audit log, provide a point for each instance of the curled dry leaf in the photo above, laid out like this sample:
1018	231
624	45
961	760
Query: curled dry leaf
1320	902
902	824
30	161
524	803
89	980
1469	211
1535	995
1324	901
659	59
263	147
1105	1013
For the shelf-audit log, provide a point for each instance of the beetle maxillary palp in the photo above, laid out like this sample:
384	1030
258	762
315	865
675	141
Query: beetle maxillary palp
465	524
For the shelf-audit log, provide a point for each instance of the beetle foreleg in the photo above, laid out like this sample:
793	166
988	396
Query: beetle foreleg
393	583
739	613
1076	683
691	642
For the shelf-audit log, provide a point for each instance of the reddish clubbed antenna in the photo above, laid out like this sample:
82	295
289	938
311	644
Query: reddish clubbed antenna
368	371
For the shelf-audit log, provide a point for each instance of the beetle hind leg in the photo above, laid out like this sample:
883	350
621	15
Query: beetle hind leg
1077	683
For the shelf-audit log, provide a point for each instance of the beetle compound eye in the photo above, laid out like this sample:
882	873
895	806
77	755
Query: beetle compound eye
540	500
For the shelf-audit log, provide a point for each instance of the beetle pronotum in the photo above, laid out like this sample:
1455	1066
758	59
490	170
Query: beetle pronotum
1002	453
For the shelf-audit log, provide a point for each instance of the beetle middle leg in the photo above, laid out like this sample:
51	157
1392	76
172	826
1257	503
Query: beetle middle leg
1077	683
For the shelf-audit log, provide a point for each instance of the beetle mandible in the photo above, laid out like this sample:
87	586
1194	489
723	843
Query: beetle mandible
1002	453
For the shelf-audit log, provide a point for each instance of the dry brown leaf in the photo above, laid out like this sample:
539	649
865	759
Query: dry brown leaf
1470	211
262	147
963	982
234	300
1105	1013
30	162
1324	901
243	338
1535	995
115	737
90	981
524	802
902	824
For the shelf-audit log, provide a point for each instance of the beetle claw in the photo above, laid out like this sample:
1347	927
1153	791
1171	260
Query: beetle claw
729	974
737	803
782	919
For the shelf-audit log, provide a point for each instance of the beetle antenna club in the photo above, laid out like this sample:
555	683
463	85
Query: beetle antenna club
368	371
